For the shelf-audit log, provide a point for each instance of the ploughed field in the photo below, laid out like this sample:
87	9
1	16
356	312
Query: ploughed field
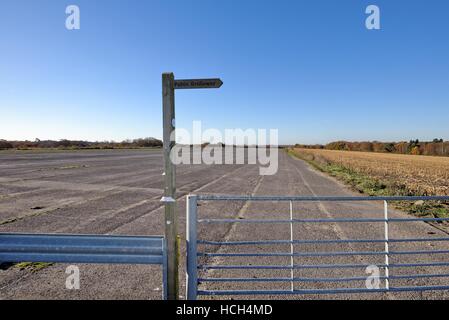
415	175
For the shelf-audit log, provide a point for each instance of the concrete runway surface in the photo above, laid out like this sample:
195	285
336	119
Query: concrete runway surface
118	192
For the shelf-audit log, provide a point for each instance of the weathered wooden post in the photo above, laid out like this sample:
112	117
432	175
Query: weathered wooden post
171	219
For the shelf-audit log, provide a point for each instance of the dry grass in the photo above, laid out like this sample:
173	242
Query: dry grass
415	175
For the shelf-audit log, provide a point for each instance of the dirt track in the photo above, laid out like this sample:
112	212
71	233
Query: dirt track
118	192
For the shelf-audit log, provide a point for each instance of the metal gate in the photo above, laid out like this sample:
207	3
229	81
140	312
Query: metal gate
387	277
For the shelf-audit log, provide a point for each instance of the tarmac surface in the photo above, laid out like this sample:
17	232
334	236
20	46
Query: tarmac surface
119	191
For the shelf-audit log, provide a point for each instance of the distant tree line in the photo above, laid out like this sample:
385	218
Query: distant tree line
79	144
437	147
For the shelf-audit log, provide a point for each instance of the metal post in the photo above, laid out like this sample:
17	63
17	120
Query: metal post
171	219
192	252
387	251
292	260
164	270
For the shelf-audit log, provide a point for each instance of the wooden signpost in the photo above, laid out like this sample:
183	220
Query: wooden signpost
169	84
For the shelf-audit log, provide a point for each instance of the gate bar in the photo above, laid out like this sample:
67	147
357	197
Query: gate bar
400	277
192	251
387	259
271	242
323	266
319	291
323	254
210	197
292	258
343	220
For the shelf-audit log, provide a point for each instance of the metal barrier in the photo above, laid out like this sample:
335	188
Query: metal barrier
95	249
193	254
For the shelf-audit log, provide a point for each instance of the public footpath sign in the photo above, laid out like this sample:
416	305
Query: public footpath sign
169	84
198	84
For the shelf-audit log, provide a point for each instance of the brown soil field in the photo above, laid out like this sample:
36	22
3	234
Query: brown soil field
419	175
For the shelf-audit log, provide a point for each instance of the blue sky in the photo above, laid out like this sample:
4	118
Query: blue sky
308	68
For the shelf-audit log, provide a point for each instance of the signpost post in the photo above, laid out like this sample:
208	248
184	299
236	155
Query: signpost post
169	84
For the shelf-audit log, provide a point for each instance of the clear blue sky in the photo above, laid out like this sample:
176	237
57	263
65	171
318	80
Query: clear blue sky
308	68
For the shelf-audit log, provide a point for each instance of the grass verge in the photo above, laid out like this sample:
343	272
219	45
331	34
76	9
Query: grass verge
32	266
371	186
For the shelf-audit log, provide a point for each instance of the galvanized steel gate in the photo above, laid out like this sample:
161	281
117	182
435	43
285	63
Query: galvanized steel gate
387	276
